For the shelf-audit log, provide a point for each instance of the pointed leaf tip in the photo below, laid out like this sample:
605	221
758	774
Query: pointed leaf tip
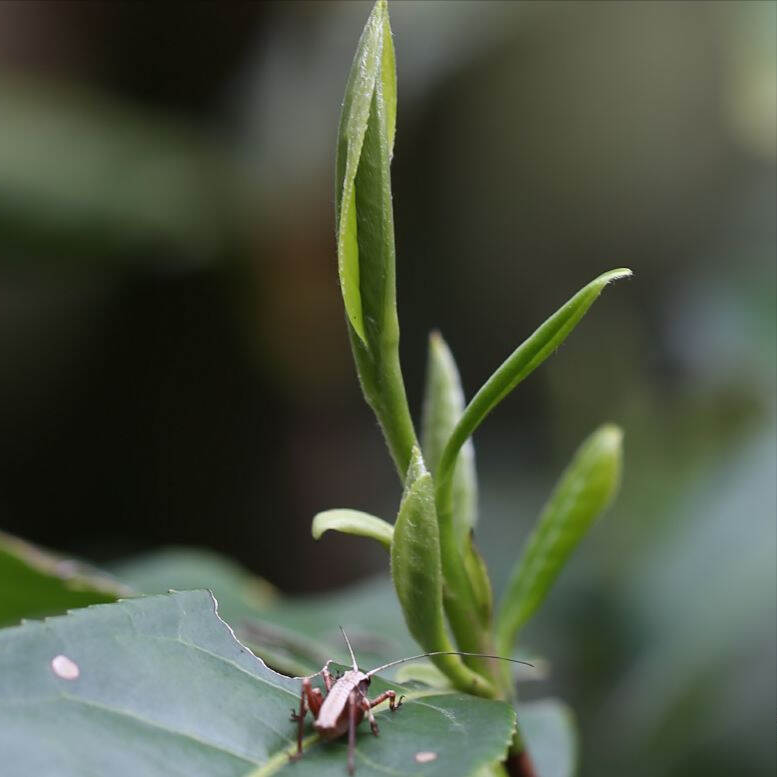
543	342
614	275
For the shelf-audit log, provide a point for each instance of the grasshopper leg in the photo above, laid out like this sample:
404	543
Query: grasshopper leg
309	698
327	675
391	696
367	706
352	706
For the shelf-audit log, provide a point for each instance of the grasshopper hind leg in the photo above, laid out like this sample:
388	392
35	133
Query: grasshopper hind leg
311	699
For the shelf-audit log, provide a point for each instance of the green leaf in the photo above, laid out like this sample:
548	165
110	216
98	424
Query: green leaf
462	732
477	572
157	686
442	409
549	734
388	74
353	522
426	673
460	597
34	583
284	630
586	487
370	92
365	231
443	406
240	594
415	568
521	363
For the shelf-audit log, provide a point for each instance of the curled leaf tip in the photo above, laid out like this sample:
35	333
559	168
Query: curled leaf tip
614	275
610	436
352	522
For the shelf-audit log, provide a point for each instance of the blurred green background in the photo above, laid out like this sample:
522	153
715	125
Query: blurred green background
174	366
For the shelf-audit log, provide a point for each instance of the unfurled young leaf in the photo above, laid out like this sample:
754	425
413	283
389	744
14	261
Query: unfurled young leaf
417	575
353	522
477	571
587	486
443	406
365	231
460	598
521	363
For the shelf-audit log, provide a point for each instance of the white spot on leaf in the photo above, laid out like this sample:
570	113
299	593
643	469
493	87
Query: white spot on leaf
425	756
65	668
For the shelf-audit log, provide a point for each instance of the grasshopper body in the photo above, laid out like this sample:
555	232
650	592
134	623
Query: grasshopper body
346	701
342	709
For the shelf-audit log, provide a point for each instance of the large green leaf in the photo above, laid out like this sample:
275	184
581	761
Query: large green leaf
274	625
243	599
365	231
586	487
546	727
160	686
240	594
35	583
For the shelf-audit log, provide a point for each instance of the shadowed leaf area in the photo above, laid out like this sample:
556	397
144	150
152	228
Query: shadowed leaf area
34	583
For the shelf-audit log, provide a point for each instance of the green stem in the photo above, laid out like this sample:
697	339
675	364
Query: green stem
400	432
384	390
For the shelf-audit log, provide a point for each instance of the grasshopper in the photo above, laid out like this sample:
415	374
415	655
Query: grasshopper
346	701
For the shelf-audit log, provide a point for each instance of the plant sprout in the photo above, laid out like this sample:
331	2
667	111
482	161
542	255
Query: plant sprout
441	580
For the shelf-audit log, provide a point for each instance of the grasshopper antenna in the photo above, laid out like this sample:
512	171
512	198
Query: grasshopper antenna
442	653
350	649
